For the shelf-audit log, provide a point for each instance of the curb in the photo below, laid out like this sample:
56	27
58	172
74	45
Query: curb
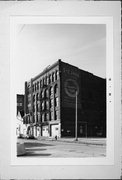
73	141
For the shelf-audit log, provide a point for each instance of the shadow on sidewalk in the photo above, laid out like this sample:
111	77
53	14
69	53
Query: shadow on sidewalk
32	154
34	144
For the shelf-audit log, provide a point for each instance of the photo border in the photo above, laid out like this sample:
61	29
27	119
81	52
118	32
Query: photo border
108	20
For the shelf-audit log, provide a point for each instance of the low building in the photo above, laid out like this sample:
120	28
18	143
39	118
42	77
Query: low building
50	102
21	128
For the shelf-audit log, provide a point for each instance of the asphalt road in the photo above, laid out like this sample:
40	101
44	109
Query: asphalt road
36	148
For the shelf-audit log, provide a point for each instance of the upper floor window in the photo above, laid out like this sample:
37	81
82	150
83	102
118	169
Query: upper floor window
34	98
56	115
50	78
53	77
56	101
40	83
42	94
33	88
47	104
47	93
43	117
37	96
37	85
51	115
47	116
42	105
51	91
51	103
47	80
56	89
57	74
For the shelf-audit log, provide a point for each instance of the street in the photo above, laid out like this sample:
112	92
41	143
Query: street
44	148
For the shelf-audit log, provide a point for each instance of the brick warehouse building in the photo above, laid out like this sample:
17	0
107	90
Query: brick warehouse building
50	102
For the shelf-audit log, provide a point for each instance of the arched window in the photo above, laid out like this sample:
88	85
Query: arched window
51	91
56	101
42	105
57	74
47	105
51	103
47	92
50	78
53	77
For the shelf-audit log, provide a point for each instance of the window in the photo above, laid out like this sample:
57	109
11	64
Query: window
47	93
56	102
34	98
51	91
50	78
37	85
40	83
42	105
47	117
47	80
34	119
51	115
53	77
56	115
47	105
42	94
51	103
43	117
37	96
56	89
33	88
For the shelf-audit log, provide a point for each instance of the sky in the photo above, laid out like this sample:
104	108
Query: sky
37	46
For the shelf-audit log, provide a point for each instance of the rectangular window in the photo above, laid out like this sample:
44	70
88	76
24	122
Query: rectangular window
51	103
56	102
42	105
56	115
47	117
47	105
42	117
51	115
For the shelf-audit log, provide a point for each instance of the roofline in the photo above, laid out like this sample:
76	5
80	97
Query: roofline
57	63
46	69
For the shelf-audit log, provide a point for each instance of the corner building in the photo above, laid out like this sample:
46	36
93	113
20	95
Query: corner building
50	102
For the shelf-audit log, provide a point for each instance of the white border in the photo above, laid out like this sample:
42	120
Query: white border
109	159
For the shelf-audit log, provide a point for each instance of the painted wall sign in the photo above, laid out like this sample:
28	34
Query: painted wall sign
70	83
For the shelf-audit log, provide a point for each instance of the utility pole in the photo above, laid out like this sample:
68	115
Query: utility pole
76	138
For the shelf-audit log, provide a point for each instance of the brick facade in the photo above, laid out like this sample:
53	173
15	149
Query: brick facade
50	100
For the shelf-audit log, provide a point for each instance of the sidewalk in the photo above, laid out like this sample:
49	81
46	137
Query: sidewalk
88	141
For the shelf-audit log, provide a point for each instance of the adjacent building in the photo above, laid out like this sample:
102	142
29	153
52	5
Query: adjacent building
50	102
21	129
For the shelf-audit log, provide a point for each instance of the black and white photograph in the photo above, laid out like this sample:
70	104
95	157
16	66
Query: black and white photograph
60	90
60	76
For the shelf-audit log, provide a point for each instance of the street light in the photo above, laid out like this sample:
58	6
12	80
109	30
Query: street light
76	138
